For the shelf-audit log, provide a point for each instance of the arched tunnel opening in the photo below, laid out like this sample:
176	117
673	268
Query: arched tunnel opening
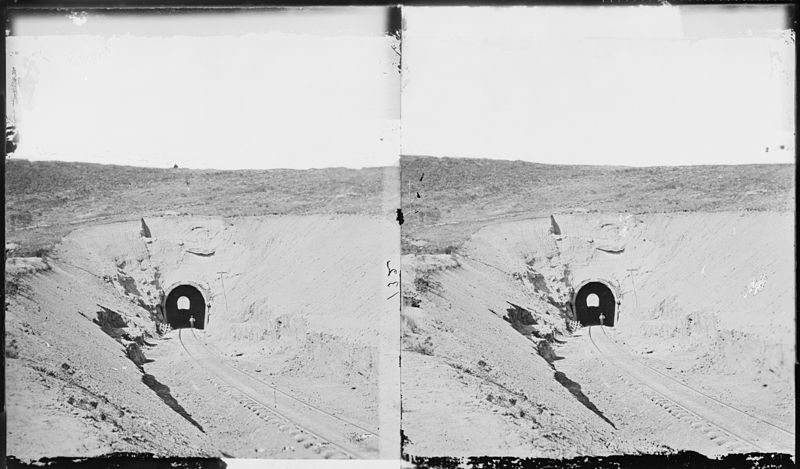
595	304
182	303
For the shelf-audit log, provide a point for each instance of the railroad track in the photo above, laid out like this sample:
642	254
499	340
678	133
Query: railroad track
733	429
313	408
323	433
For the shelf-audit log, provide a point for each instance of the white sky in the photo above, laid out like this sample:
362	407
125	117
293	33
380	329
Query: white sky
634	86
288	89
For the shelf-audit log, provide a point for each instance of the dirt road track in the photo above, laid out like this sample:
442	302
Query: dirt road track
730	428
326	435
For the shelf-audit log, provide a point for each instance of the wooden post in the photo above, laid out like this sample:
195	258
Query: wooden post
224	295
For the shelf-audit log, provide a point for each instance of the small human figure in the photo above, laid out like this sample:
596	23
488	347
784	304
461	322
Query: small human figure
602	319
191	321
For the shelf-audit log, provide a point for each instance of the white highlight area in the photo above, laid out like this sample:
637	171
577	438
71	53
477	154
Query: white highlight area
264	98
184	303
636	86
592	300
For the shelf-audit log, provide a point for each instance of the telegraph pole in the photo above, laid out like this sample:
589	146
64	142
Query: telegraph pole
635	297
224	295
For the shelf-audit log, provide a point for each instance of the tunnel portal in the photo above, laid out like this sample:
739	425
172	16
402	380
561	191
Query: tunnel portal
593	299
182	303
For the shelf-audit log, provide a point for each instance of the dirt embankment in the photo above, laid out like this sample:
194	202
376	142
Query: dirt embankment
279	284
708	297
46	200
71	388
301	298
699	281
446	200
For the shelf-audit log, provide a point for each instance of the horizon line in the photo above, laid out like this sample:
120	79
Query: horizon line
607	165
12	158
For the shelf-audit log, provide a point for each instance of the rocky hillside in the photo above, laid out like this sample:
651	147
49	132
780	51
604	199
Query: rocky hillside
447	199
45	200
293	263
701	258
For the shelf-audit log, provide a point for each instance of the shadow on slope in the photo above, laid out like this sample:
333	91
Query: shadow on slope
164	394
523	321
575	389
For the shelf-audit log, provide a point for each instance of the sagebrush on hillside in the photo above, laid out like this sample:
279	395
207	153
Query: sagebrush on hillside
446	199
45	200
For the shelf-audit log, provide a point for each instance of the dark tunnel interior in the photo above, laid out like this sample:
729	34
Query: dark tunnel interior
179	314
587	312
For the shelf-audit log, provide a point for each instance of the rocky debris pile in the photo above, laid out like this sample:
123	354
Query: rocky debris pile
200	251
10	248
12	349
128	331
135	353
17	266
545	350
535	327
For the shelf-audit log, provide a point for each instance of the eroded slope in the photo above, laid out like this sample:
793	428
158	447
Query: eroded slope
300	299
710	301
